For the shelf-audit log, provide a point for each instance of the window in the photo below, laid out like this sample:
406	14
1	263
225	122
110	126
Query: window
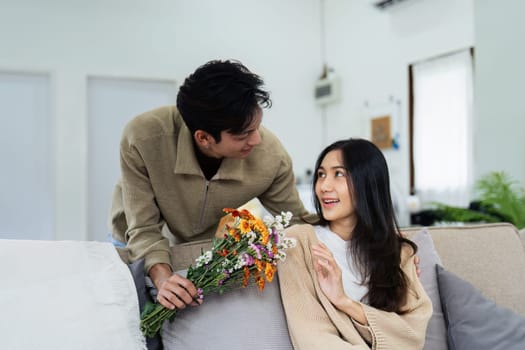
441	129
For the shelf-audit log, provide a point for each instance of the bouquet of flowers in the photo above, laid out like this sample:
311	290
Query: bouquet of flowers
248	252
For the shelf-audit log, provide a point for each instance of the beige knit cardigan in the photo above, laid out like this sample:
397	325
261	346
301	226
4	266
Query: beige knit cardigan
314	323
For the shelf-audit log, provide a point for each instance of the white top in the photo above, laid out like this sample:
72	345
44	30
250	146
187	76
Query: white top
340	249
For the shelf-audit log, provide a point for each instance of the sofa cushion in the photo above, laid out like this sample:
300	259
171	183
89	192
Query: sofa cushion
436	331
240	319
489	256
475	322
66	295
522	236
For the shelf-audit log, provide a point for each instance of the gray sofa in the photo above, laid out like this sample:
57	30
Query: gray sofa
491	257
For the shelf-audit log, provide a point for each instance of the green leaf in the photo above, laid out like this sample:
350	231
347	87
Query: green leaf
499	191
148	309
457	214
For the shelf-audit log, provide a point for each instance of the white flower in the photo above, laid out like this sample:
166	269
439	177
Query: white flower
279	222
204	259
292	242
268	220
281	255
287	242
287	217
239	263
226	262
251	237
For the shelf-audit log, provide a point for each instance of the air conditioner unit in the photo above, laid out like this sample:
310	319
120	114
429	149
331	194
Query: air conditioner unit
327	90
386	4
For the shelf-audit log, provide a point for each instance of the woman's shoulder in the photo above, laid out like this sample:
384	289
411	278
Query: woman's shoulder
300	231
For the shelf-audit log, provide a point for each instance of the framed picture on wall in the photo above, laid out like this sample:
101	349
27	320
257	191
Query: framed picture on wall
381	132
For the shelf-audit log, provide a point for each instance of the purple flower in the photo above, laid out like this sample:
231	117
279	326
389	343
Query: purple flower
275	236
248	259
257	250
264	250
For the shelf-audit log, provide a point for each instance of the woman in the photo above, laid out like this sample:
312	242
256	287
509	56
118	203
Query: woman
351	282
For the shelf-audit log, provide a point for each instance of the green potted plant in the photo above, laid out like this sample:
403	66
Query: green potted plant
499	199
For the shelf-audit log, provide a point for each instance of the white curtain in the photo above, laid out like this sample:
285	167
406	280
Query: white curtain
443	129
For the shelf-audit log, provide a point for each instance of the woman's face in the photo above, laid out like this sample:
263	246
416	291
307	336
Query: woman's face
333	193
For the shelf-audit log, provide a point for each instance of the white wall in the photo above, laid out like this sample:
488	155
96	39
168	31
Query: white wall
371	51
163	39
280	40
500	72
26	150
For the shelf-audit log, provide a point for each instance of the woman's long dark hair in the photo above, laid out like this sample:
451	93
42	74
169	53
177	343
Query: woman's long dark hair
376	241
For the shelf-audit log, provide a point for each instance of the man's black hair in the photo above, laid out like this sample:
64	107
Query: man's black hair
221	96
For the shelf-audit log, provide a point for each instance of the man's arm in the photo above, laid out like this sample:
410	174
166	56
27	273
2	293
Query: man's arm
143	236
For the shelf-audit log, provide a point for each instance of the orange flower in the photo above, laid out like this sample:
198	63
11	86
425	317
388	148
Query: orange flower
260	283
244	226
223	252
259	265
269	271
259	226
233	212
245	214
235	234
265	238
246	276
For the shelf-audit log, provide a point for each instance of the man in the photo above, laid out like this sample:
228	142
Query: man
180	166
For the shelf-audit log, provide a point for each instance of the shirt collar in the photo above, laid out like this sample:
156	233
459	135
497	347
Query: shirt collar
186	162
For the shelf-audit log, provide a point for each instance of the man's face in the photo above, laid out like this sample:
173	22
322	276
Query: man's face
240	145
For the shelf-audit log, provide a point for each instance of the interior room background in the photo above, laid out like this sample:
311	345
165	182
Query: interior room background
73	72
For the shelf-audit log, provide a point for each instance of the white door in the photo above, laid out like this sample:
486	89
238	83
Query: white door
27	190
112	102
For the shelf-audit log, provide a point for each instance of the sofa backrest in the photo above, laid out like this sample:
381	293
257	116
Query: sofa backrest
522	236
183	255
490	256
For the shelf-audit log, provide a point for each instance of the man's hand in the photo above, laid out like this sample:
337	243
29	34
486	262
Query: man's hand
416	258
174	291
416	262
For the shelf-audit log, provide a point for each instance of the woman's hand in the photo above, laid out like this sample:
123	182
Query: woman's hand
174	291
328	273
331	282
